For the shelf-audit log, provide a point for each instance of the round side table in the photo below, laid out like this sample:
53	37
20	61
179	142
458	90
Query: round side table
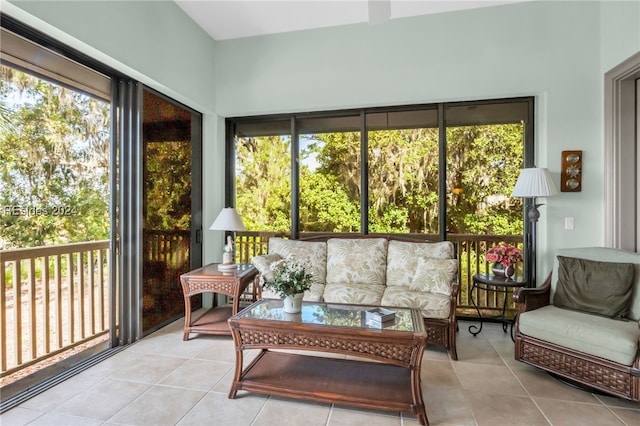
491	283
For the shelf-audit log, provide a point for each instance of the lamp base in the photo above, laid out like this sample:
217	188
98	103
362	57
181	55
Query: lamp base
227	266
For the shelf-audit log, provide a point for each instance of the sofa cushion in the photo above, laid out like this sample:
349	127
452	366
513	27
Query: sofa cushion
595	335
356	293
602	288
431	305
403	256
434	275
313	253
263	264
356	261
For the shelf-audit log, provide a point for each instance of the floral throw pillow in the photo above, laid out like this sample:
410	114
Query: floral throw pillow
402	258
435	275
263	264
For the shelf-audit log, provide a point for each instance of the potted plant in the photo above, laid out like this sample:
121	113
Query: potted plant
504	257
290	279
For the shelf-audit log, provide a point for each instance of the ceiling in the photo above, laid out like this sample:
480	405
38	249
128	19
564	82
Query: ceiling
230	19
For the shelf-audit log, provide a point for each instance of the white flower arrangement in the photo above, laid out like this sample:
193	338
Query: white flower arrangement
289	277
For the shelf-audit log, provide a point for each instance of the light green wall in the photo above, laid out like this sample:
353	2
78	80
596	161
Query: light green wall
620	30
555	51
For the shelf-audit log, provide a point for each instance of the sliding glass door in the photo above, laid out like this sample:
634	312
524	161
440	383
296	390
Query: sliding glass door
55	167
171	203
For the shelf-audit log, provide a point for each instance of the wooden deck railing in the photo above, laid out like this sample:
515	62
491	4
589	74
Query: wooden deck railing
470	251
53	298
57	297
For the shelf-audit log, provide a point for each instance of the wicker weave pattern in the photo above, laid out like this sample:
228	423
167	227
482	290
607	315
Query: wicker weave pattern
196	286
579	369
385	351
437	335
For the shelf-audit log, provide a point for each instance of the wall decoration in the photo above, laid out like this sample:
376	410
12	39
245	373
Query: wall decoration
571	175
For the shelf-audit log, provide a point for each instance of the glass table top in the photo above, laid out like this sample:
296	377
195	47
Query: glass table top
330	314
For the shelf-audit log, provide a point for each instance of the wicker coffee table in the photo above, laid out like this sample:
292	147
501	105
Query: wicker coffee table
391	384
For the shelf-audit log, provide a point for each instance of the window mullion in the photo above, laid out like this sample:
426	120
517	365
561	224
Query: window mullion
442	174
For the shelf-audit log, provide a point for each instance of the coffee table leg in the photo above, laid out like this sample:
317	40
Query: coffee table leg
236	375
418	403
422	418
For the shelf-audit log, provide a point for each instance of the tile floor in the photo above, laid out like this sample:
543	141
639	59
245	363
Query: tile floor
162	380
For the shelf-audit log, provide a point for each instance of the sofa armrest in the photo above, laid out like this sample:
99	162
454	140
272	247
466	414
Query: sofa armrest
529	299
455	289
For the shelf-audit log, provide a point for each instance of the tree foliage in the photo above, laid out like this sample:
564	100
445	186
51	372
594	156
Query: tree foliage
263	177
167	183
482	163
54	163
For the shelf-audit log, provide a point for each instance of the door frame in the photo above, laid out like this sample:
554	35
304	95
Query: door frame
621	156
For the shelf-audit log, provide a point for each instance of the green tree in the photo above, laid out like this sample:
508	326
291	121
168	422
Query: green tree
483	163
263	182
54	159
168	185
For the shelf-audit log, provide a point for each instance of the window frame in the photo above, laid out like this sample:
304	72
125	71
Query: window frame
232	122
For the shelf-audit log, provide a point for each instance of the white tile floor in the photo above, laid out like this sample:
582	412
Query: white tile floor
163	380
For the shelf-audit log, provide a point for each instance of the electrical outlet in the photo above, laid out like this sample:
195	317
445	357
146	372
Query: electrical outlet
569	223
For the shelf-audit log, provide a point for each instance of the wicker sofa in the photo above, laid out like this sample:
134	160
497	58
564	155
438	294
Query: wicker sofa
377	271
594	350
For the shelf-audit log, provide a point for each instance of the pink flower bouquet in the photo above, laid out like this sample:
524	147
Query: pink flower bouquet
505	254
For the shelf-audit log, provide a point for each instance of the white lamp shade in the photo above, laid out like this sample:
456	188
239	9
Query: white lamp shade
228	220
534	182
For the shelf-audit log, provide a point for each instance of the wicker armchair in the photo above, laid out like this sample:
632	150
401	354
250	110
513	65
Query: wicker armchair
577	350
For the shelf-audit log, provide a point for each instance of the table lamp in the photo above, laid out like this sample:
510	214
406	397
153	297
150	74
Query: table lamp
228	220
533	182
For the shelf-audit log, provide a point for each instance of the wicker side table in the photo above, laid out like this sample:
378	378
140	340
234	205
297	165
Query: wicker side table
209	279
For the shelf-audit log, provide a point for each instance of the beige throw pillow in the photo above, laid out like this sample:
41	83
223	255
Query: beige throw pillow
435	275
263	264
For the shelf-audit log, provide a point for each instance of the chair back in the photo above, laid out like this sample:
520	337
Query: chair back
603	254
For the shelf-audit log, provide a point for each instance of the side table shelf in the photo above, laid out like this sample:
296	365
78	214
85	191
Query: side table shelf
208	279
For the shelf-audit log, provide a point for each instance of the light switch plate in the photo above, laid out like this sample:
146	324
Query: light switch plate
569	223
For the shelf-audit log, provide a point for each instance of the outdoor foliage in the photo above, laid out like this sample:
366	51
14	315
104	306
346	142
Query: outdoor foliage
168	186
54	163
483	163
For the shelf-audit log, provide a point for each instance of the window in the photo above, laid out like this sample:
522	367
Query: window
434	170
485	148
263	171
403	171
330	174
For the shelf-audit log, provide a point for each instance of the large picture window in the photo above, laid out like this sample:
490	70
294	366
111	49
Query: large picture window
436	170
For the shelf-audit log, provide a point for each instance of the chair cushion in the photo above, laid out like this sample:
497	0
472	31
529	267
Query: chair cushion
591	334
403	257
356	293
356	261
430	305
603	288
604	254
435	275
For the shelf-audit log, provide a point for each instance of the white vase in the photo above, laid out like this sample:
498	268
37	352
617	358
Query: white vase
292	303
